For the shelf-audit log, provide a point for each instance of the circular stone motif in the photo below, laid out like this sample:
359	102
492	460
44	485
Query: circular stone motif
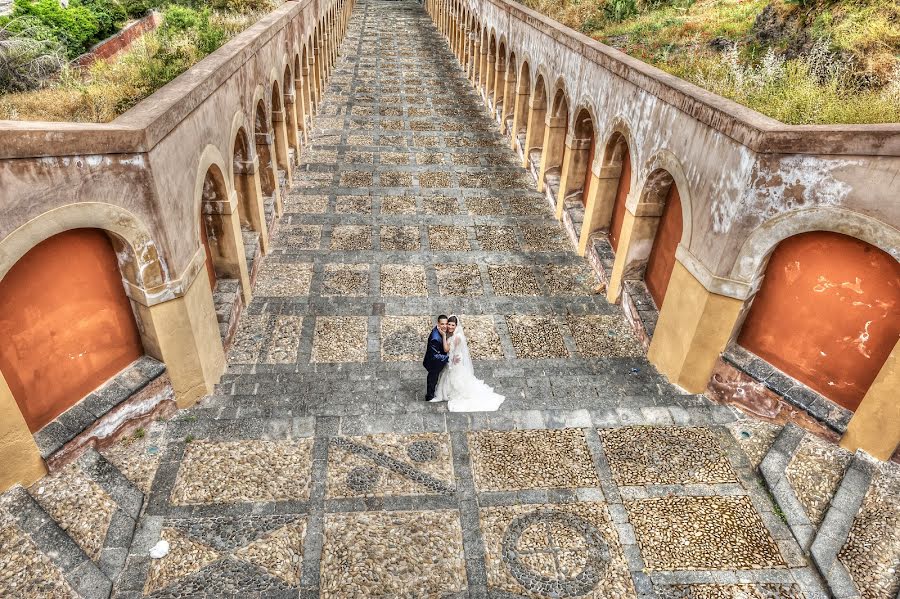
422	451
554	553
362	478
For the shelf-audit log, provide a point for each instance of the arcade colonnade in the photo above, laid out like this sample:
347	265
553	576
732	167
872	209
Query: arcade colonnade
89	288
824	333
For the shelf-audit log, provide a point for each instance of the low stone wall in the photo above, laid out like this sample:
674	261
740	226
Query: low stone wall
121	41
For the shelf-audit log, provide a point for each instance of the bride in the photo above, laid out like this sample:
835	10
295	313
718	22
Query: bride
457	384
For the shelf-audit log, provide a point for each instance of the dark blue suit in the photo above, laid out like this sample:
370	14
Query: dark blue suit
434	362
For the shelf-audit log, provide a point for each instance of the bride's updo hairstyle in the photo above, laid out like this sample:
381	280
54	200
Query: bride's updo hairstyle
453	319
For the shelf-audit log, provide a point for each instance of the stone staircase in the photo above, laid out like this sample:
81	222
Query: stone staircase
227	301
840	506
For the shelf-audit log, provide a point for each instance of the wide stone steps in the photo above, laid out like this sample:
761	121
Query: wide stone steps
838	504
79	523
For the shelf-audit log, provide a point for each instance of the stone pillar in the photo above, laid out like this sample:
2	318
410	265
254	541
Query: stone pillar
282	158
499	85
252	210
520	114
182	332
488	85
309	92
483	68
265	144
875	426
301	109
293	139
22	462
534	132
227	244
576	162
600	202
694	327
509	98
554	145
635	242
476	61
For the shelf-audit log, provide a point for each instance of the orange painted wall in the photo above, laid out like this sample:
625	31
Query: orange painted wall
618	214
66	325
662	254
828	313
586	193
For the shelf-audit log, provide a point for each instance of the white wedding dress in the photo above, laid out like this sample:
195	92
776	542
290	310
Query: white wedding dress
458	385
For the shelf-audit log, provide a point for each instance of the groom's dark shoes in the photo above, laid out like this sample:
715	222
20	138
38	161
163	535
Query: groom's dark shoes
434	361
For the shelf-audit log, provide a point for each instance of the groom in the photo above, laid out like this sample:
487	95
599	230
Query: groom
435	357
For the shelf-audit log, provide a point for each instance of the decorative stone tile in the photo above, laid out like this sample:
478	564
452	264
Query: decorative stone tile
815	471
544	238
283	279
346	280
284	342
755	437
279	553
186	556
731	591
356	179
484	206
243	471
400	279
359	157
340	339
390	464
536	337
359	140
404	238
459	279
392	554
569	280
80	506
394	158
441	205
702	533
513	280
319	156
447	238
299	237
665	455
305	204
403	338
528	206
137	456
531	459
398	205
466	159
425	158
353	205
872	551
497	239
554	550
483	338
25	571
249	338
351	237
607	336
435	179
394	179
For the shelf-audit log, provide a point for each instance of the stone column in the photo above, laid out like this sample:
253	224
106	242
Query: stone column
499	85
520	113
509	98
281	145
575	164
22	462
488	84
874	426
554	145
694	327
267	162
309	91
223	225
182	332
301	109
534	132
293	139
476	61
635	242
599	204
483	67
252	210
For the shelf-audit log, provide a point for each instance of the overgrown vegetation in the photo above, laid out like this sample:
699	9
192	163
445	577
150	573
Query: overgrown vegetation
104	90
799	61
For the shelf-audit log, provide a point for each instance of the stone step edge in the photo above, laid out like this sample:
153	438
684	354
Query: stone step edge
79	571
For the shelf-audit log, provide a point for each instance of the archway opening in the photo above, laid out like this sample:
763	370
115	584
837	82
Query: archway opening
66	325
669	228
585	136
827	313
267	174
619	156
537	111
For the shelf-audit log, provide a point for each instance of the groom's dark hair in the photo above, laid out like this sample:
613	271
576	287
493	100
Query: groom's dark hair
442	317
453	319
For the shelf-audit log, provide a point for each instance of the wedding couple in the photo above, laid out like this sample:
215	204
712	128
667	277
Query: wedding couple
451	376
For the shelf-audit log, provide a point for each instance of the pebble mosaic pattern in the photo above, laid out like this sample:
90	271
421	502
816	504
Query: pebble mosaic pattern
340	339
815	471
702	533
603	336
536	337
732	591
755	437
651	455
28	572
403	337
541	459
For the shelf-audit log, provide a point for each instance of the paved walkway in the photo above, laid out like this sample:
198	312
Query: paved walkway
317	469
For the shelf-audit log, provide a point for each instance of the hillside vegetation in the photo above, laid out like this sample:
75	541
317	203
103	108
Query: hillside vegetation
800	61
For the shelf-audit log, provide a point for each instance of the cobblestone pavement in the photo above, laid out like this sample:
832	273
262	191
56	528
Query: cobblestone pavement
316	469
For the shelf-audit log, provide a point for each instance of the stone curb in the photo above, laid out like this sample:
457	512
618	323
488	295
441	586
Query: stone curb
83	575
835	528
773	469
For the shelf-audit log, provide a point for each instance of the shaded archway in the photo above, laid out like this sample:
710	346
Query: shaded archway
509	95
827	313
292	112
618	158
555	132
669	227
268	178
534	131
576	177
490	72
499	90
301	102
280	137
66	325
249	192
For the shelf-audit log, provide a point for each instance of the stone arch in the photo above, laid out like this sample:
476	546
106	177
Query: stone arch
264	142
554	146
665	169
534	132
759	245
618	173
581	143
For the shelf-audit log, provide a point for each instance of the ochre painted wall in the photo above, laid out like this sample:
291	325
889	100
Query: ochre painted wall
588	172
66	325
662	255
828	313
618	214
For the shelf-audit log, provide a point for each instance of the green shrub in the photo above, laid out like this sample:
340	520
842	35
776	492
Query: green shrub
110	16
74	27
26	61
138	8
619	10
179	18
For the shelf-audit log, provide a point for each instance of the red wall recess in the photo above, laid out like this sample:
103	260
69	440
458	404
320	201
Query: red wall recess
586	193
66	325
828	313
662	255
618	214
